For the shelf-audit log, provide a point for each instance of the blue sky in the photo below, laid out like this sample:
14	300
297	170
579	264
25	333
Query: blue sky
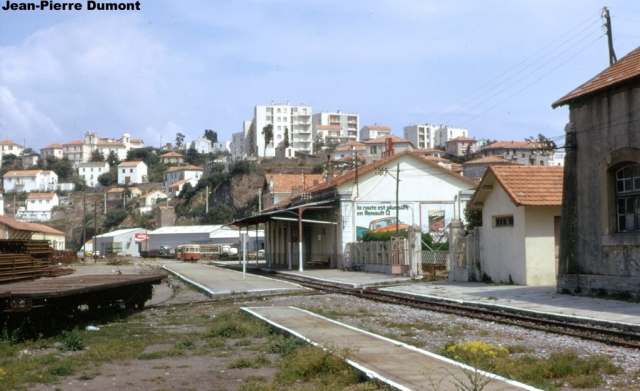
493	67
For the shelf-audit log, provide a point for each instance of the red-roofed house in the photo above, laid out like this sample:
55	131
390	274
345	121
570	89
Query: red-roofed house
105	144
176	188
474	169
8	147
13	229
460	146
349	150
177	174
56	150
172	158
600	246
282	186
132	172
519	237
385	146
529	153
29	180
77	152
341	211
149	201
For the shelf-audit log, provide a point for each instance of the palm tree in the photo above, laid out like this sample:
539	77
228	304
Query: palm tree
286	137
267	132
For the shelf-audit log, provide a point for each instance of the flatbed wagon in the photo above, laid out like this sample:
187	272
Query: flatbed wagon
64	295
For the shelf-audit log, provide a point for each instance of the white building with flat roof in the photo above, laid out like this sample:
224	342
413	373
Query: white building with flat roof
335	126
293	120
432	136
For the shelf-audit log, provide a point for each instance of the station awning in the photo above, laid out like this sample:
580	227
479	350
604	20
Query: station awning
269	216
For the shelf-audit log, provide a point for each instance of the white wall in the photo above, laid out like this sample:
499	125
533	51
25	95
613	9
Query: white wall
502	249
540	245
420	183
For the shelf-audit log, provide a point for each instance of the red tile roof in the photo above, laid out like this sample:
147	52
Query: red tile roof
351	175
76	142
130	164
461	139
172	154
181	182
512	145
116	190
382	140
626	69
491	159
21	173
18	225
377	127
526	185
53	146
282	183
110	144
9	142
350	146
184	168
40	196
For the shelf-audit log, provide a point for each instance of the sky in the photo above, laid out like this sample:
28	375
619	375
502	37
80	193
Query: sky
492	67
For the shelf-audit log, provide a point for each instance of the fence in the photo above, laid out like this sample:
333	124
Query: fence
432	261
383	256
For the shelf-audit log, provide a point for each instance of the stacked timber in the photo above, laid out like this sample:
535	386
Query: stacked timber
29	259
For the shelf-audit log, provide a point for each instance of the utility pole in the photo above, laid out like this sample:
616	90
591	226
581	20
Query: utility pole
397	197
206	207
84	219
607	24
95	227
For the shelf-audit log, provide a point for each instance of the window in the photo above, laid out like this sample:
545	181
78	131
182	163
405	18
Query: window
628	198
131	170
373	150
123	170
503	221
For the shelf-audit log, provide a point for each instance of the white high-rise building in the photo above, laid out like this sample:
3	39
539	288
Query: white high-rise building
432	136
292	120
336	126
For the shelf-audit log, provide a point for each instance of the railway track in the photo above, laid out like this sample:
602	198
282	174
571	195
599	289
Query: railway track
541	322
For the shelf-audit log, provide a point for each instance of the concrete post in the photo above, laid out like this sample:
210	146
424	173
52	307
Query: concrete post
456	230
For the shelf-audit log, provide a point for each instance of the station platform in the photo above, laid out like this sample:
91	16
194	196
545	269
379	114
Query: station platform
399	365
218	281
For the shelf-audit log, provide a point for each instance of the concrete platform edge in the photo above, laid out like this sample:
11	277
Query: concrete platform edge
532	313
410	347
183	278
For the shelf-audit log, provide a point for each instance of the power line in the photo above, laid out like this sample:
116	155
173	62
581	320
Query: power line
534	82
490	82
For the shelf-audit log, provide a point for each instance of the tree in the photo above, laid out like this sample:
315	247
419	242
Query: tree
179	140
211	136
63	169
286	137
267	132
112	158
115	217
96	156
543	144
109	178
473	218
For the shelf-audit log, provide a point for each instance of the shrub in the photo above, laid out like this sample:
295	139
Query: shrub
71	341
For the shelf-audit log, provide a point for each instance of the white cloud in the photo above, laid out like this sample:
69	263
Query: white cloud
21	120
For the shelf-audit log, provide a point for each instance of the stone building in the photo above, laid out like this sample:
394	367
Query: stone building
600	226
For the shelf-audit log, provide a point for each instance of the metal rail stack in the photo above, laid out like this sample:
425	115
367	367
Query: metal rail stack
27	260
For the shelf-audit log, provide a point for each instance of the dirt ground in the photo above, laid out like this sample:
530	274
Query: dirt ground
192	371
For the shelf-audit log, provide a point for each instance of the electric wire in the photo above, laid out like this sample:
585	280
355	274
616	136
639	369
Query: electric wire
503	82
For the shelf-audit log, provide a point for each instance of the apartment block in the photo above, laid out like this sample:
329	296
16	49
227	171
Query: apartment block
335	126
432	136
292	120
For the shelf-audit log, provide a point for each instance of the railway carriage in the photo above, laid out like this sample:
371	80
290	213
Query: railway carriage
188	253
